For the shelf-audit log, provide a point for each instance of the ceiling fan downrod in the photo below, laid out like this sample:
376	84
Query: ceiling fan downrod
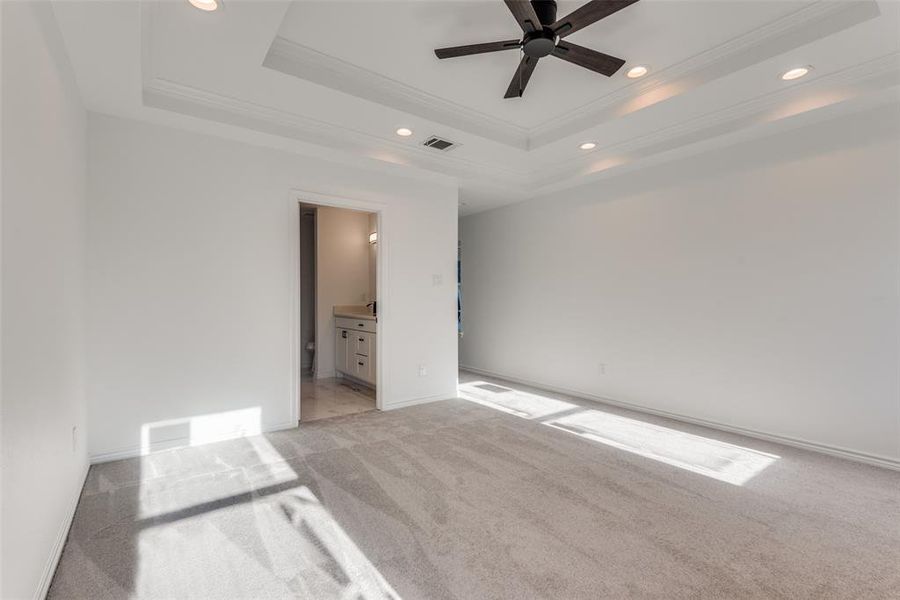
541	42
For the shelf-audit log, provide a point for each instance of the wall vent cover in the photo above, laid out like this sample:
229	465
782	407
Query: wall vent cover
439	143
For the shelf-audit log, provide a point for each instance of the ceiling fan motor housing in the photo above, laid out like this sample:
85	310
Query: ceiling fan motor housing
540	43
542	35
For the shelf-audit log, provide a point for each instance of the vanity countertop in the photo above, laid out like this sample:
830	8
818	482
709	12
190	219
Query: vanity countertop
352	311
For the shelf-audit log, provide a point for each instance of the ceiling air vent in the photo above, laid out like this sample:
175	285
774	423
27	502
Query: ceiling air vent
439	143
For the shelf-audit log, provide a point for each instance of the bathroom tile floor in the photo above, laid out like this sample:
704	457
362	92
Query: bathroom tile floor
333	397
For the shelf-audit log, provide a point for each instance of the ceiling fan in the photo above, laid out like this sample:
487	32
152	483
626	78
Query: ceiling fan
543	37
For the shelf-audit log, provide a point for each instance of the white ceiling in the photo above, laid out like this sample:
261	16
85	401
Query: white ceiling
337	78
397	39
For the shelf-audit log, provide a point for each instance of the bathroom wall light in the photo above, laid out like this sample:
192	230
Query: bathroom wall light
373	237
207	5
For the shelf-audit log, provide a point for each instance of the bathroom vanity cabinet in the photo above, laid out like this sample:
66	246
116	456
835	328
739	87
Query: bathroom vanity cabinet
355	348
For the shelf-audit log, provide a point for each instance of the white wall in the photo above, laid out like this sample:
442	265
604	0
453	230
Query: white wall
43	204
191	278
342	273
754	287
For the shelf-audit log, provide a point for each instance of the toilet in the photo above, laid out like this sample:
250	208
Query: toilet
311	348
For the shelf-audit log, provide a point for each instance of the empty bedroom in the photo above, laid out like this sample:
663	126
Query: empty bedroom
450	299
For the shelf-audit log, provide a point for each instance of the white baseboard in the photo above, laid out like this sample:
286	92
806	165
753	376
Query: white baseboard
60	542
133	451
855	455
417	401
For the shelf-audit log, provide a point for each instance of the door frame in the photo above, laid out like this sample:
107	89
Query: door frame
382	220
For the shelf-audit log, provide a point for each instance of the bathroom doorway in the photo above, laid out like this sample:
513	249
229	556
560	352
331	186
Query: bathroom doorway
338	311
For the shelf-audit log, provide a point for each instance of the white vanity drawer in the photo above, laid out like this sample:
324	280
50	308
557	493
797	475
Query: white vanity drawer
361	342
361	368
357	324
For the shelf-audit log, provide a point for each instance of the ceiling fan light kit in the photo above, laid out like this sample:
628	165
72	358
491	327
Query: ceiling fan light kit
542	35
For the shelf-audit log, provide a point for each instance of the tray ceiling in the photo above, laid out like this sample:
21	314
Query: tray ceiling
396	41
335	78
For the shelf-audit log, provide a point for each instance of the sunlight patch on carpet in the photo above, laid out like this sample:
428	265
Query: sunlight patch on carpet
710	457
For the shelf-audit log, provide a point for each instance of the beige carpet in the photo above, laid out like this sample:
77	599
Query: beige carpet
506	494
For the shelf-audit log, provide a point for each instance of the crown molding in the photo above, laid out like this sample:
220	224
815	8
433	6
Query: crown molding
871	77
294	59
816	20
177	97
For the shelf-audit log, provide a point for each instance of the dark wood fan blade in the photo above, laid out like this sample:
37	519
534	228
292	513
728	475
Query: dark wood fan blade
476	49
587	58
520	79
590	13
524	13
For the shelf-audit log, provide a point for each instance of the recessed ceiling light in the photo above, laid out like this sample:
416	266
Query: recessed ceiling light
795	73
638	71
207	5
588	146
404	132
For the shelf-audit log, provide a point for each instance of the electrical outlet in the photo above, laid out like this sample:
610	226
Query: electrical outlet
437	279
423	371
601	368
74	438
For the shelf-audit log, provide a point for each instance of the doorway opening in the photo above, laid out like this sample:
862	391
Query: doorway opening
338	333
